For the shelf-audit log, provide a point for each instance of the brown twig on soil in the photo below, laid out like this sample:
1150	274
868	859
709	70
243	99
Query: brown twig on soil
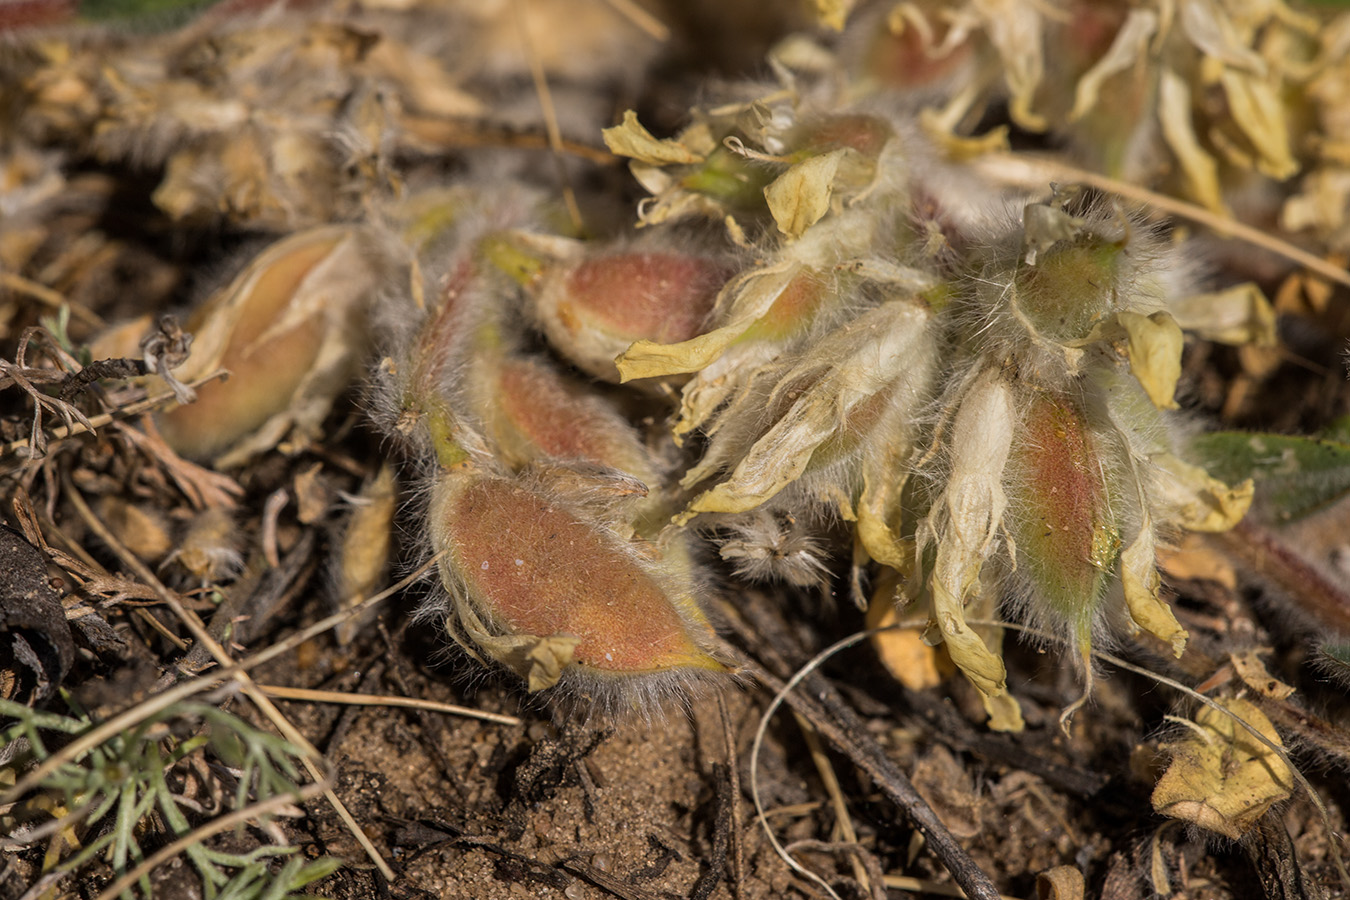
843	820
822	705
459	134
93	423
711	877
734	773
555	143
842	728
606	882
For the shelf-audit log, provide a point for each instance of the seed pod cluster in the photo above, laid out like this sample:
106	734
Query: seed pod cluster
544	501
979	398
976	403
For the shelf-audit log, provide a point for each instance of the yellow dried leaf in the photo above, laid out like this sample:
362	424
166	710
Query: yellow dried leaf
958	147
1154	348
1139	576
833	13
1254	674
1258	110
801	196
1130	47
632	140
1221	777
902	650
364	552
1199	168
1199	502
1195	558
1237	315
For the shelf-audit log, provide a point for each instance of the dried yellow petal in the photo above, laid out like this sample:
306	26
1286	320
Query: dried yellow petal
1174	112
833	13
1254	674
1130	47
1237	315
1221	777
364	553
631	139
1199	502
1257	108
902	650
965	522
800	197
1139	576
1154	349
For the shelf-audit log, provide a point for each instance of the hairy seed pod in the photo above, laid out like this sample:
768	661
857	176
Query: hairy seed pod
1060	514
290	331
537	587
592	310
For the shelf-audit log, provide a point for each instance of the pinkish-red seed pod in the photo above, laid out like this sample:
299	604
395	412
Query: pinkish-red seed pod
1060	514
595	309
539	412
539	588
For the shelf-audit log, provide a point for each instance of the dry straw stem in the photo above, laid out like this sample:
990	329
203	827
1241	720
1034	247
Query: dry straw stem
641	18
49	297
61	432
206	830
549	111
843	821
1033	172
130	718
291	693
246	684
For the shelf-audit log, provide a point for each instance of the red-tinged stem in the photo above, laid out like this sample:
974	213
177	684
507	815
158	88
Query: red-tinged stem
1275	561
20	14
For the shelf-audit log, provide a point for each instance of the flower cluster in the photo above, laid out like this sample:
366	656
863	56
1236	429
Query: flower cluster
970	393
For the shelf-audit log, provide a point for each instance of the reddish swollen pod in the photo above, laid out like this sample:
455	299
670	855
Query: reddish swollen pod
1060	513
594	309
533	411
539	587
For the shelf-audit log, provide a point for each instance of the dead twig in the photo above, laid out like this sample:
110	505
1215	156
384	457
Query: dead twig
851	738
247	685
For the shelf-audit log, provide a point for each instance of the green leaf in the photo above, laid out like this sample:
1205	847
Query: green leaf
1295	475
